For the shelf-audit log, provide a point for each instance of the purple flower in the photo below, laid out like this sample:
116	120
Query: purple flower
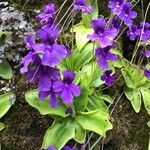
48	34
115	6
49	148
51	55
144	31
53	101
147	73
45	76
116	23
81	5
132	32
69	111
54	54
67	148
104	36
108	78
66	89
104	56
35	49
47	16
32	46
126	14
147	53
41	61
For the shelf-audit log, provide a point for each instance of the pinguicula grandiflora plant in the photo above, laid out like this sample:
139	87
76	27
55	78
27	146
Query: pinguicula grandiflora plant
71	76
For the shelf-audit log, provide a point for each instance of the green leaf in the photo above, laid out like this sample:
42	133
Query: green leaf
87	18
116	52
1	34
43	106
81	58
128	79
59	133
146	85
80	102
148	123
117	64
98	82
93	73
2	38
5	70
96	121
5	103
146	99
2	126
81	35
95	103
107	98
80	134
134	77
135	97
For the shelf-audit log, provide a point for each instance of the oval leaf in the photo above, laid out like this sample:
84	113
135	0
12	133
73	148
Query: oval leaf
43	106
133	76
93	73
2	126
135	97
146	99
82	100
5	70
83	57
59	133
107	98
5	103
95	103
81	35
96	121
80	134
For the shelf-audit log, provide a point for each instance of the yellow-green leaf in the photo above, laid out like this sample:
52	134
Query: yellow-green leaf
6	100
2	126
135	98
146	99
81	35
59	133
5	70
43	106
96	121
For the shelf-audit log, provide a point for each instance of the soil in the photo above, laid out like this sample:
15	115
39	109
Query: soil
25	127
130	131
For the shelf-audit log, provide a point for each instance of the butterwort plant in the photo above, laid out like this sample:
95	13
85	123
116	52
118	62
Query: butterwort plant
71	76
